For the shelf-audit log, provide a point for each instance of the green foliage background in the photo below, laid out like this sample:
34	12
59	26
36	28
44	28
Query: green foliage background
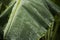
7	13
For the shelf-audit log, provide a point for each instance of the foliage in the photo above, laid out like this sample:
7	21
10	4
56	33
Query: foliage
29	20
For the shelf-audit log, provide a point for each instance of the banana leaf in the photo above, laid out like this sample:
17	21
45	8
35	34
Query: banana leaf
29	20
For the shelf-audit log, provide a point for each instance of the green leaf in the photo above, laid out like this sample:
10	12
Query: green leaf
4	16
29	20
